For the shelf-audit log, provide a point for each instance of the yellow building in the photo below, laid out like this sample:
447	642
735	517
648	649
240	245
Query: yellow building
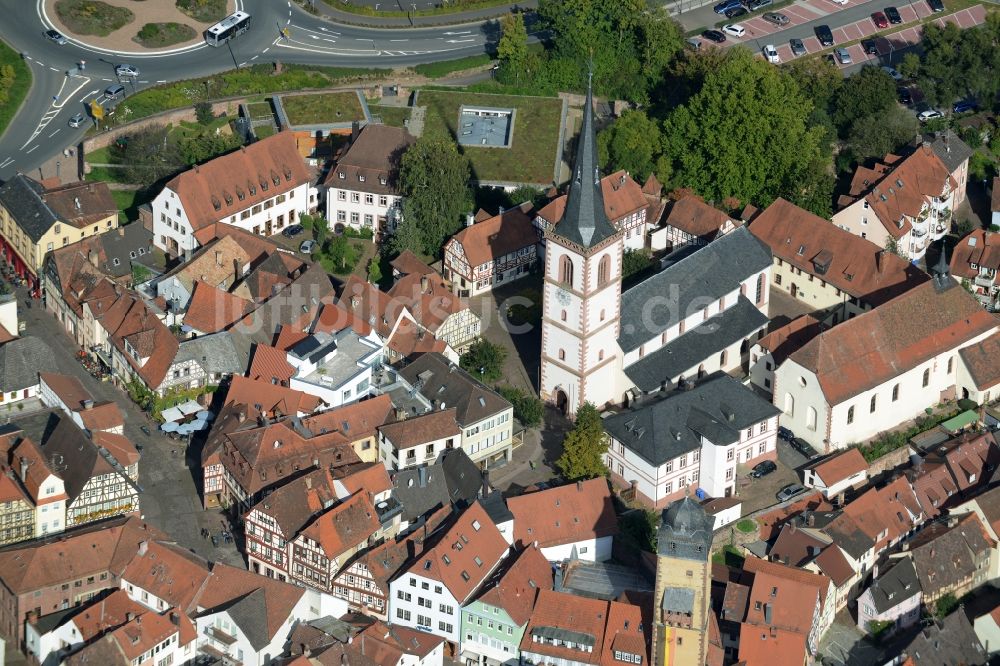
17	513
36	218
682	602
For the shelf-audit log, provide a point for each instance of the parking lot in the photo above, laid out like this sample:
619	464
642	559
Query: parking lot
810	11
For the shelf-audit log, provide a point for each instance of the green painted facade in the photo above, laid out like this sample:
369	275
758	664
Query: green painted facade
487	630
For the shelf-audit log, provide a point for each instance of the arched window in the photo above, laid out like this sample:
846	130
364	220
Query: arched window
600	355
562	354
850	415
563	315
927	377
895	393
603	270
760	289
722	359
871	407
950	360
602	314
789	404
566	270
811	418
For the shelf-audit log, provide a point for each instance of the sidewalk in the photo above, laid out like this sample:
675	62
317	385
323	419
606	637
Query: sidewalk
473	16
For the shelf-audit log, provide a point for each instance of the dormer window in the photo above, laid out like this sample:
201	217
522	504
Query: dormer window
253	189
382	180
241	195
361	177
216	204
341	175
975	266
802	249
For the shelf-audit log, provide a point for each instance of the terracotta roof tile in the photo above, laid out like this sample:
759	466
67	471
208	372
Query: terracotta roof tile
622	197
568	612
344	526
841	466
233	182
270	365
515	588
335	317
694	216
410	341
119	446
228	583
834	565
168	572
980	247
983	361
375	155
566	514
848	262
211	309
274	399
881	344
497	236
421	429
760	646
355	421
99	416
408	263
784	341
624	631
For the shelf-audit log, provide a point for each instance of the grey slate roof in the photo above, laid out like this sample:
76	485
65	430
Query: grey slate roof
21	360
585	221
249	612
128	243
950	149
718	408
703	342
948	642
895	586
496	507
224	352
677	600
441	381
453	479
685	531
659	302
22	197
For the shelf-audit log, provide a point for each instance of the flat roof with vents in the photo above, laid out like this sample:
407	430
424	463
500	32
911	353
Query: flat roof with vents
485	126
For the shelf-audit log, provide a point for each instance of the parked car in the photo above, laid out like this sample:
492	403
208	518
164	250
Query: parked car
824	35
904	95
693	43
771	54
798	48
843	56
145	431
292	231
790	491
77	119
870	47
775	18
734	29
726	5
736	12
839	2
308	246
964	106
55	36
130	71
115	90
754	5
763	469
802	446
936	5
929	114
892	14
896	76
714	36
785	433
880	21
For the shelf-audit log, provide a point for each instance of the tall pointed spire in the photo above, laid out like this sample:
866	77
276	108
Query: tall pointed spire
585	221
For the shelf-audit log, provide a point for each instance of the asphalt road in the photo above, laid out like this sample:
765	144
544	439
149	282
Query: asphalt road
41	128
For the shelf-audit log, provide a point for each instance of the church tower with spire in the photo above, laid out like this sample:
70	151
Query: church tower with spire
581	299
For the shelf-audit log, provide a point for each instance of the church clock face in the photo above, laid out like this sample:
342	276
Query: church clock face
562	296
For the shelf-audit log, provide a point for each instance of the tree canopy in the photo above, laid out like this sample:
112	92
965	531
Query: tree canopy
149	155
484	360
512	50
868	92
744	135
584	447
434	178
633	143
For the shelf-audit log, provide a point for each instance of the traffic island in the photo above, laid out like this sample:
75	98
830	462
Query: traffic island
159	35
92	17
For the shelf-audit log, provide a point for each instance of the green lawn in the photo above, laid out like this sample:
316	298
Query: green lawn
157	35
322	108
435	70
730	556
205	11
259	110
128	202
394	116
12	88
92	17
535	137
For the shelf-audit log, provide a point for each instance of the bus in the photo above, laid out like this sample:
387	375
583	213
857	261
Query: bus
229	27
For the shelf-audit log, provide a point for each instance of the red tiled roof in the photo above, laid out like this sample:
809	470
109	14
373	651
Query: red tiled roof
375	156
408	262
841	466
624	632
784	341
879	345
99	416
559	610
421	429
692	215
355	421
567	514
131	321
818	582
622	197
980	247
983	361
834	565
270	365
228	583
211	309
457	568
518	585
410	341
119	446
335	317
848	262
344	526
762	646
498	236
168	572
274	399
228	184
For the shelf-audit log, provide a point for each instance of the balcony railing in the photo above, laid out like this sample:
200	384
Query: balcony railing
983	281
919	232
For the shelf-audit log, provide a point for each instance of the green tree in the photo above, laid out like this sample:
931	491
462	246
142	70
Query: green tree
632	143
375	270
207	145
513	46
340	255
634	261
880	134
909	66
640	527
434	178
892	247
149	155
719	146
945	604
878	628
528	409
203	113
584	447
484	360
869	92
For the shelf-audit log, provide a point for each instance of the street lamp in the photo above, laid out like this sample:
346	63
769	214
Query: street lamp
230	45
